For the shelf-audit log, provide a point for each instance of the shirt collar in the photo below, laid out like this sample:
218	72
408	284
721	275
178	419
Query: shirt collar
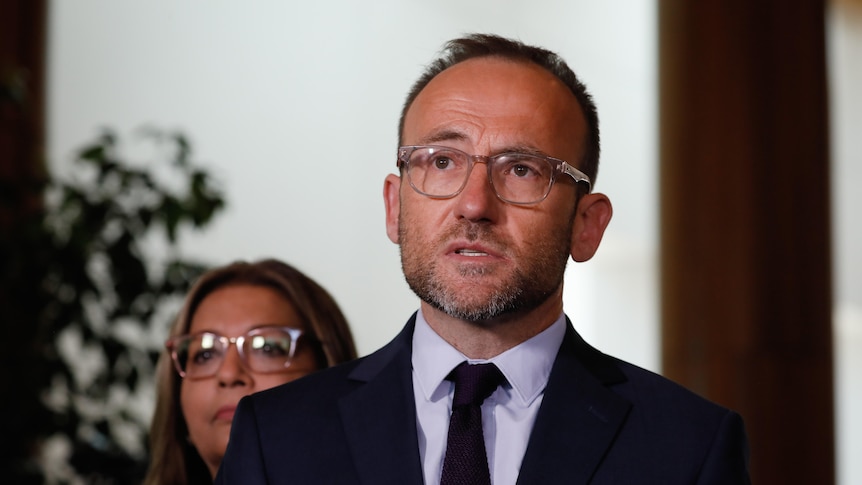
525	366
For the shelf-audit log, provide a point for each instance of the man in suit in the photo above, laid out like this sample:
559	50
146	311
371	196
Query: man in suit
499	147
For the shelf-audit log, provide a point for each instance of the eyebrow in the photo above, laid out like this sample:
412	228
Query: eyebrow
443	135
525	149
453	135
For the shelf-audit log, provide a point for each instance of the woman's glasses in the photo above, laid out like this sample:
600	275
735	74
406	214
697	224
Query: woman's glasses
264	349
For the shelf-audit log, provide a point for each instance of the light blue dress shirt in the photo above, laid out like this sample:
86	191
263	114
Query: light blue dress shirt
507	415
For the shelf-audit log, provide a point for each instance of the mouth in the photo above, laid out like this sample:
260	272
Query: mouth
470	252
478	248
225	413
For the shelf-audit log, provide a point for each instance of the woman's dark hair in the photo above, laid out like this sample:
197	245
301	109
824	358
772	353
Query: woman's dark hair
174	461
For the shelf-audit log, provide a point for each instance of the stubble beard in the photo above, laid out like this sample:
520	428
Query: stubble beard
538	274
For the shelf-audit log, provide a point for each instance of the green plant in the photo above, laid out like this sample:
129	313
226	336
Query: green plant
85	302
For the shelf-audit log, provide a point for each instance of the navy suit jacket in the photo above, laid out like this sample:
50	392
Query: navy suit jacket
601	421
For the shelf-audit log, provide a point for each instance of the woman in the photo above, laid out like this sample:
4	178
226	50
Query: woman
281	325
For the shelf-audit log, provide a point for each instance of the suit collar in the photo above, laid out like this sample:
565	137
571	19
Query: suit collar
576	424
526	366
579	417
379	417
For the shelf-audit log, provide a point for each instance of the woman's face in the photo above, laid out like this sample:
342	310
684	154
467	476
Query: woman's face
208	403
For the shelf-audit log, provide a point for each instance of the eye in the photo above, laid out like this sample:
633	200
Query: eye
523	167
442	163
202	349
521	171
203	356
271	347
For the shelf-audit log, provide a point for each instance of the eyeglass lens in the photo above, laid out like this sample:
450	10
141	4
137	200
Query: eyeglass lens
262	350
517	177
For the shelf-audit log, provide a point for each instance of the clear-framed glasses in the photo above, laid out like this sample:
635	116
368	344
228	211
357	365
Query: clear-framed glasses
517	178
265	349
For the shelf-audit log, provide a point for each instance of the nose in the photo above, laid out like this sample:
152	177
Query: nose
477	201
232	371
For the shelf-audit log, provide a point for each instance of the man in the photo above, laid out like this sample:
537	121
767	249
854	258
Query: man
499	145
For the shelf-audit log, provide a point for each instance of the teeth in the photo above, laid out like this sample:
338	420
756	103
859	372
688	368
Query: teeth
470	252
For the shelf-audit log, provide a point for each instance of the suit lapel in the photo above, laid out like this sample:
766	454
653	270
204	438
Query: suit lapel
377	413
578	419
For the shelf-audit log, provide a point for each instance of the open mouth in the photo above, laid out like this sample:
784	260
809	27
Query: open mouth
470	252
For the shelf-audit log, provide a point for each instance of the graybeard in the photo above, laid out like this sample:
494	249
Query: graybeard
527	287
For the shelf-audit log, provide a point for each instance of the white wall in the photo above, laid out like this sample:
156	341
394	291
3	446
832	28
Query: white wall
295	106
845	62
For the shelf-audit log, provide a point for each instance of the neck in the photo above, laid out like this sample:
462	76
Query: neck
487	339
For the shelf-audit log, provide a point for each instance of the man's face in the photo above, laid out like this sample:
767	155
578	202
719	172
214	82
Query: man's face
474	256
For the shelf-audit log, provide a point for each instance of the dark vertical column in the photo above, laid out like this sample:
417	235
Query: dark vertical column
745	238
22	77
22	60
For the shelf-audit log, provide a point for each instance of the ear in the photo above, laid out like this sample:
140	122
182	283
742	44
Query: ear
592	216
392	201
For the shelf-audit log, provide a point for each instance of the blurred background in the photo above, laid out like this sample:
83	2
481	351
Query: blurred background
284	114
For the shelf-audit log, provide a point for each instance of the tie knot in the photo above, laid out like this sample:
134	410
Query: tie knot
474	383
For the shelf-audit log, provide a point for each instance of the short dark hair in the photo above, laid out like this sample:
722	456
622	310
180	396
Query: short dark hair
488	45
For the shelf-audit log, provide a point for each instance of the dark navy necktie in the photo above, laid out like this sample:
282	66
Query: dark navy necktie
466	462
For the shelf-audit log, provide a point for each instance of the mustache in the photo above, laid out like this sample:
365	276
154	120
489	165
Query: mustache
472	232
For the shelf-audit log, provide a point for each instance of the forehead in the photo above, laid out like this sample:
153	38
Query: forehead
234	309
494	103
